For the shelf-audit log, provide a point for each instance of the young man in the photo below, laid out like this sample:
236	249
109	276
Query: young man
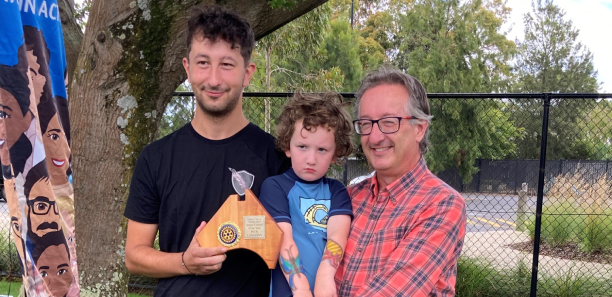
313	211
180	181
409	225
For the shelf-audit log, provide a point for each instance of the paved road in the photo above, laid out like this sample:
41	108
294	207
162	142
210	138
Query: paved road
490	212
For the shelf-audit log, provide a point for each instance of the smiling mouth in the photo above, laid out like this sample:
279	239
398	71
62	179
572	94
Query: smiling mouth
58	163
381	149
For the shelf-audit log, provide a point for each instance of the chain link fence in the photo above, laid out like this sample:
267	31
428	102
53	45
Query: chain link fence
489	148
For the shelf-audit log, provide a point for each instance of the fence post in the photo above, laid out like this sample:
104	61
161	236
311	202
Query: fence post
521	212
540	199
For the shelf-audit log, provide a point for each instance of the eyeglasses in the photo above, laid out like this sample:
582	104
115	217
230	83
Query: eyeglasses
42	205
386	125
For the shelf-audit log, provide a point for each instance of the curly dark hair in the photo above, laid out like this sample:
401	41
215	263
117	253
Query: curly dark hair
214	22
316	110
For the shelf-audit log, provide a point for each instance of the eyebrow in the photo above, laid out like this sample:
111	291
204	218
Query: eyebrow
6	107
55	130
43	267
205	56
41	199
34	71
62	265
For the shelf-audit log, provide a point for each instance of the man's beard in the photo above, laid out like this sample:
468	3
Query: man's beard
222	111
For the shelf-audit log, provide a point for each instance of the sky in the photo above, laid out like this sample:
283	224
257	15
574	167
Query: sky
593	18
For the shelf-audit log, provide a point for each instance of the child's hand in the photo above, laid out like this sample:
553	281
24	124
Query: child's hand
325	287
302	293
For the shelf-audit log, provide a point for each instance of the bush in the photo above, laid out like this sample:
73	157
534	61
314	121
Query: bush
476	278
597	233
577	211
9	259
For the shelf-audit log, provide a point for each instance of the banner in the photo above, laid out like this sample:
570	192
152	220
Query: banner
35	146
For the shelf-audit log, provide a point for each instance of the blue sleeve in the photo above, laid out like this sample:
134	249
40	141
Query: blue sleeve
340	200
274	199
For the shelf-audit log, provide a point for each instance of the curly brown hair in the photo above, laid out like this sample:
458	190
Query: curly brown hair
316	110
216	23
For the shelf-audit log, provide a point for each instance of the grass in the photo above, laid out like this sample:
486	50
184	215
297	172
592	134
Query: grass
10	288
477	278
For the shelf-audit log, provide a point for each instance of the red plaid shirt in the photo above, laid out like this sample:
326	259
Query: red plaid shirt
405	240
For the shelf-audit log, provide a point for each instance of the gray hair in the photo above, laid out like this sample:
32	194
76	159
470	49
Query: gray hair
417	104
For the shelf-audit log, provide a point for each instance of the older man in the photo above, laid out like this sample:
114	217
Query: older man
409	225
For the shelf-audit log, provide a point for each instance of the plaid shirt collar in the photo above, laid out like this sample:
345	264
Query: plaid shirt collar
396	188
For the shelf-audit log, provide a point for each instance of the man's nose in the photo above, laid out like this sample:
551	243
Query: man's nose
215	77
376	135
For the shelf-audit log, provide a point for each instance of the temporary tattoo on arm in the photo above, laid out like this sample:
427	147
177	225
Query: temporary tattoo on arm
291	267
333	252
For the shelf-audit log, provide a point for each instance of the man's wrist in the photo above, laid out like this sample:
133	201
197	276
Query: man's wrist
183	263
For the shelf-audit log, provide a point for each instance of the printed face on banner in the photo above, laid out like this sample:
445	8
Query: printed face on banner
57	151
43	214
15	212
38	80
15	121
54	266
4	152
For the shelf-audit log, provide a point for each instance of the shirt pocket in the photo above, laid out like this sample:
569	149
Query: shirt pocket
390	238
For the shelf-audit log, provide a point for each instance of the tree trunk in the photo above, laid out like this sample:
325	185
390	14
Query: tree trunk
128	67
72	36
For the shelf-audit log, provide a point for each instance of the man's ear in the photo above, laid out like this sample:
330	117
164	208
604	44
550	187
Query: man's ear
421	128
186	66
249	72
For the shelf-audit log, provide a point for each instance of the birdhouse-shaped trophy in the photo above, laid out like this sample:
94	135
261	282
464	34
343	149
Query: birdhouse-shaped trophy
242	222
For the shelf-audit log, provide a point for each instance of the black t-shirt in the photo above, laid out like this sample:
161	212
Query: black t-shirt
183	179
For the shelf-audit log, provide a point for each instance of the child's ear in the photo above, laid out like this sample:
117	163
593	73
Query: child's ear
288	154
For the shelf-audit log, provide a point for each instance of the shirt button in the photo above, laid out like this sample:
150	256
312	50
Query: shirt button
359	249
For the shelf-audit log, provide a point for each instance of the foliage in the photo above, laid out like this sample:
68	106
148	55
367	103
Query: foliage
178	112
341	49
596	130
551	59
454	46
463	131
81	12
476	277
283	4
9	259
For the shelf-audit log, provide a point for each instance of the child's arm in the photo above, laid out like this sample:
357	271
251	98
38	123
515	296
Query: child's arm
291	263
337	235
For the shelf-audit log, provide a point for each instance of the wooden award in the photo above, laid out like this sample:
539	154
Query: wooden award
244	224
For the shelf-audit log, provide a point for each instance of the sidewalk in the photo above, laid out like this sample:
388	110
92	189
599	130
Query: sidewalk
492	246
